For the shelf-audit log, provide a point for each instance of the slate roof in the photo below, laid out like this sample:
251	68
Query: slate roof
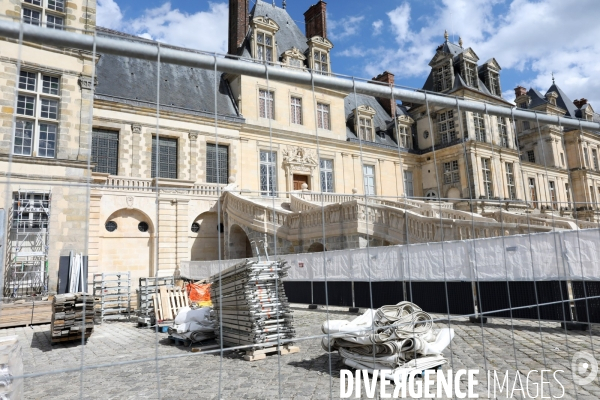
288	36
537	99
182	89
563	101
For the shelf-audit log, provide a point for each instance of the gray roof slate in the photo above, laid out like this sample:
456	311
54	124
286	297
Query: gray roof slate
182	89
563	101
537	98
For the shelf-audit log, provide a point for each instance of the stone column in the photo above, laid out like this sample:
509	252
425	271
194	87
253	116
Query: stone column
136	150
167	236
193	156
94	236
64	151
183	251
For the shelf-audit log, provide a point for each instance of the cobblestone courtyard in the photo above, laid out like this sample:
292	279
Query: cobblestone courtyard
188	375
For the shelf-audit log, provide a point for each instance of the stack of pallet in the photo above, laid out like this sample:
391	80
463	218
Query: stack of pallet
72	317
167	302
250	304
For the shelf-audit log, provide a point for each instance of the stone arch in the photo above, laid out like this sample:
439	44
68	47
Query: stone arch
316	247
127	248
204	244
239	244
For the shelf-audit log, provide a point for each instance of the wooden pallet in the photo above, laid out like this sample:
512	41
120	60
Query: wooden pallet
261	354
168	301
25	313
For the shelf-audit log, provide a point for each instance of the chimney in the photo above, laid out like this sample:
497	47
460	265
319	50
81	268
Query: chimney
238	24
580	103
315	19
520	91
388	105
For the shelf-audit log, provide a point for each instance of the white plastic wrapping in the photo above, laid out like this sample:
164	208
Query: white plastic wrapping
564	255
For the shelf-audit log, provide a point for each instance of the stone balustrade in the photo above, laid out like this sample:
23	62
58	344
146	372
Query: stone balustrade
131	184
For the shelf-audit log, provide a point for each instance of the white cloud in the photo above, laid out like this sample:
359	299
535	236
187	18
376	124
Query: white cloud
203	30
343	28
534	37
377	25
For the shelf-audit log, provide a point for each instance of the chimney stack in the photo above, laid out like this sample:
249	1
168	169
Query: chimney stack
520	91
315	19
580	103
388	105
239	21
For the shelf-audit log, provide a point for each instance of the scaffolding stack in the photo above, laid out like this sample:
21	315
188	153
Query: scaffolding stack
28	244
147	289
250	304
112	293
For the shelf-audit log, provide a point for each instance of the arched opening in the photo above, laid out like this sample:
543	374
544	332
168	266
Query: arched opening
124	246
204	237
316	247
239	244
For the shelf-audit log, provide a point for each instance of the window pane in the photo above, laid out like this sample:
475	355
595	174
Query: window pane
49	109
23	138
53	22
105	148
35	2
57	5
25	105
50	85
167	166
27	80
217	172
47	142
31	17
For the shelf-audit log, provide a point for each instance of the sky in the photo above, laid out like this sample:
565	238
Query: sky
530	39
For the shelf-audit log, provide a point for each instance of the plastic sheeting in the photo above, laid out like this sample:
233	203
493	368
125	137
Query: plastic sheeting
564	255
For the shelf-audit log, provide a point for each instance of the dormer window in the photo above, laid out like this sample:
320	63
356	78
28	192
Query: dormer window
443	77
494	83
404	136
470	74
365	128
446	127
318	50
264	30
293	58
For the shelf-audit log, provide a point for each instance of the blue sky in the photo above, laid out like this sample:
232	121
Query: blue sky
530	39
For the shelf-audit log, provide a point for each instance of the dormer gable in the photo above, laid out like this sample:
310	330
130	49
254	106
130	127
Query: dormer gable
364	125
293	58
489	73
263	38
470	55
467	67
319	49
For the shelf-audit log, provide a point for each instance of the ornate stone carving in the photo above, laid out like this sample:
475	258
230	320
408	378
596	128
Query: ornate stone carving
130	200
136	128
193	136
85	82
299	155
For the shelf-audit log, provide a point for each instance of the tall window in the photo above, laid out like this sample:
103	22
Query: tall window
487	178
264	46
217	172
446	129
470	74
408	184
494	84
268	175
50	13
510	181
595	158
365	129
369	177
266	108
296	110
321	62
586	157
533	192
502	131
531	156
479	123
37	115
105	151
562	159
404	137
323	116
443	78
326	176
167	156
552	188
451	172
569	194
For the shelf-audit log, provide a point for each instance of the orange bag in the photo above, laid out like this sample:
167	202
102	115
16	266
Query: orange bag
199	293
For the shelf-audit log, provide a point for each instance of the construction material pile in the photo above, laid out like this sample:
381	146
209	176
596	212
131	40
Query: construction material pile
68	319
192	324
249	303
394	337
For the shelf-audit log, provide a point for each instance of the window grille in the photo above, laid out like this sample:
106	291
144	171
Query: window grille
268	173
510	181
56	5
443	78
365	129
552	194
167	167
323	116
470	74
595	158
451	172
446	127
487	178
326	176
586	157
502	132
369	178
408	184
533	192
105	151
266	106
531	156
494	84
479	122
214	173
31	17
264	46
321	62
296	111
404	139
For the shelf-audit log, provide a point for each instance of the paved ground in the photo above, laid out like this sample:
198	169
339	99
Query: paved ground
188	375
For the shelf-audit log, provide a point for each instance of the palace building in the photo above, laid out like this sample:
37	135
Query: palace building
232	159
